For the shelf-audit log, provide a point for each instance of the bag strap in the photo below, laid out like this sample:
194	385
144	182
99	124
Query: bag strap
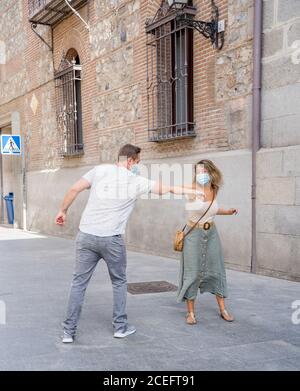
191	229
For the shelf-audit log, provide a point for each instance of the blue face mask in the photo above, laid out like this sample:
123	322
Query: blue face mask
203	179
135	169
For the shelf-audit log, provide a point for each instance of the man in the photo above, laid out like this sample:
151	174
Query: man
114	190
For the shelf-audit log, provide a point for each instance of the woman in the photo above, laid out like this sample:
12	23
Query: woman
202	263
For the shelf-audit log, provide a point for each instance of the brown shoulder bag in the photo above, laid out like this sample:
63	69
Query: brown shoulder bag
180	235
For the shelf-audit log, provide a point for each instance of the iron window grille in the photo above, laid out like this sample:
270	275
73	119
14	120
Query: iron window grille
68	107
169	75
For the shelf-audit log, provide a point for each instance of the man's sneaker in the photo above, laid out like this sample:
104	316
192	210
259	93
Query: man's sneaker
122	334
66	338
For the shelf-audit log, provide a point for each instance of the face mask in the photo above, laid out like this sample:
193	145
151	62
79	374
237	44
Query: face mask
203	178
135	169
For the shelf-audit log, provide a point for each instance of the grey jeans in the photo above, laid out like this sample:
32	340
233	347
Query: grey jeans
89	250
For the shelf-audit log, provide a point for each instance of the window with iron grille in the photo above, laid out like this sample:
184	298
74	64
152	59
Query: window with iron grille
169	76
68	105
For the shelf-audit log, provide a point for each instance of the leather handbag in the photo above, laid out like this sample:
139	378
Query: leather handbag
180	235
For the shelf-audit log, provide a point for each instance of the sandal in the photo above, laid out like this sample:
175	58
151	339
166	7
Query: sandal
226	316
190	318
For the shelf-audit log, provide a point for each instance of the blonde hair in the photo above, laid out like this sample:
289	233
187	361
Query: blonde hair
213	171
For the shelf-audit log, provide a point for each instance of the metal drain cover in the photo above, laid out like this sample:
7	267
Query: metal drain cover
138	288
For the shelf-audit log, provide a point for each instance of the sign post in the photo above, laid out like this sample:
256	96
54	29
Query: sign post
10	144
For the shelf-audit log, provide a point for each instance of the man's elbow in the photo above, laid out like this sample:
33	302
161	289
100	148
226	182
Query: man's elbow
80	186
74	190
160	189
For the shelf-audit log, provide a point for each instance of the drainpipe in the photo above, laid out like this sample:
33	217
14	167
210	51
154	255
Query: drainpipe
256	116
1	187
24	184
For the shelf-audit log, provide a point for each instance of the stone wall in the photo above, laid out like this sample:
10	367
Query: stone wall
281	73
113	59
12	169
13	84
278	209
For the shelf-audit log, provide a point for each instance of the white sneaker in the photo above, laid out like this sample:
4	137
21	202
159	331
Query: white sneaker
122	334
66	338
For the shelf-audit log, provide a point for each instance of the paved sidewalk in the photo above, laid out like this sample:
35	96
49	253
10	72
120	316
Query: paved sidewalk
35	276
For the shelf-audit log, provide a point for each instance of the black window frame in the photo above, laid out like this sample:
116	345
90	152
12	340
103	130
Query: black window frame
69	107
169	76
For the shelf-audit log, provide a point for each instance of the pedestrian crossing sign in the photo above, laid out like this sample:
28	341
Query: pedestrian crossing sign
10	144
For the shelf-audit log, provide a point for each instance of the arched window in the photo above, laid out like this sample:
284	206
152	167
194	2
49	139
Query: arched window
68	104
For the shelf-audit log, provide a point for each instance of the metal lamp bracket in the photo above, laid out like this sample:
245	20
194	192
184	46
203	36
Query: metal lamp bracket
33	27
209	30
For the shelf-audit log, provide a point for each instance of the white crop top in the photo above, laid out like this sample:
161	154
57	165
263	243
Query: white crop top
196	208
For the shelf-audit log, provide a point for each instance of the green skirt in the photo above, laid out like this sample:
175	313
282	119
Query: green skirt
202	265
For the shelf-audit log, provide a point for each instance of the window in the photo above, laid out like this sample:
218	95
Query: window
68	105
169	77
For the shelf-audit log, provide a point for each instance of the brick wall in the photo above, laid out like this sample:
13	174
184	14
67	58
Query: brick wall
113	57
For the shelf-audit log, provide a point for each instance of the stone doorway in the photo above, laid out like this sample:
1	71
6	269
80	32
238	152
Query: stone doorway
10	174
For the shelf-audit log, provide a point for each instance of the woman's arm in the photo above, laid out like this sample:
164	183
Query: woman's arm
227	212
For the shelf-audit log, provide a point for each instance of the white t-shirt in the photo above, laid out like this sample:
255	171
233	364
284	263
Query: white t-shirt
114	191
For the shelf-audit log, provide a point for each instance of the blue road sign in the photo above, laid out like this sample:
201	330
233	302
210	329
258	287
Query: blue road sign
10	144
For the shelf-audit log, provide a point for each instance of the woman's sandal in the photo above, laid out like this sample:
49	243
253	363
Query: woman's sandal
226	316
190	318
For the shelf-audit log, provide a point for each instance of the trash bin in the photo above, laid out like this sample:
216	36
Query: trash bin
9	200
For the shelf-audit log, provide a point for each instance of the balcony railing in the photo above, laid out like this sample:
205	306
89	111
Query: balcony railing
50	12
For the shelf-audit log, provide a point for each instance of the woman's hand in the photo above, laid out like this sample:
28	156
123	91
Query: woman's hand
227	212
232	211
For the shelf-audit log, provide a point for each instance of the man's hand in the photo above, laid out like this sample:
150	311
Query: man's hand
61	218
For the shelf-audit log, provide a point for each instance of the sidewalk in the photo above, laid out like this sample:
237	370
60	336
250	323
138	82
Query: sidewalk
35	276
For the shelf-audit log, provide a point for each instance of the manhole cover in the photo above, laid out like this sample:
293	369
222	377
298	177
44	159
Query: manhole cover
138	288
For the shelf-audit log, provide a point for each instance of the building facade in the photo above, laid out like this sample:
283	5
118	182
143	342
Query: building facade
136	76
